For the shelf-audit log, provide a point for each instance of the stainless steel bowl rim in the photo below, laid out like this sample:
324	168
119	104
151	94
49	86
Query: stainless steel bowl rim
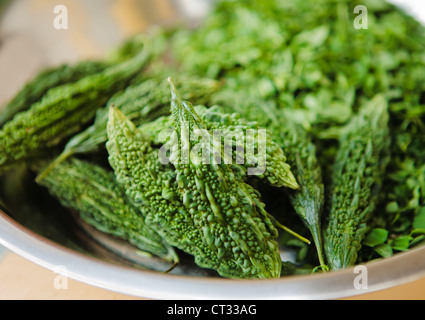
382	274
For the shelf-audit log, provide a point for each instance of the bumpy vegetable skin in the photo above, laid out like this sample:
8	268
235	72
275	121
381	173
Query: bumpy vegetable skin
232	130
357	176
63	111
151	187
221	203
235	238
35	89
300	153
100	201
141	103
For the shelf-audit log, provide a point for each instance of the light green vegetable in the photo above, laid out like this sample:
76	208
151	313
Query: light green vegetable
357	176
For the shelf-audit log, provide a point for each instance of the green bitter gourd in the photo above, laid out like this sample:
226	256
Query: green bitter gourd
100	201
232	130
300	151
141	103
63	111
356	181
35	89
222	224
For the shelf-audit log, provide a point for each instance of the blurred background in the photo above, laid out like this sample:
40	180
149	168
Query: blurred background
29	40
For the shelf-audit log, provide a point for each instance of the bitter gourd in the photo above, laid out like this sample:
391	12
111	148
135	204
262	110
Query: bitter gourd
35	89
100	201
300	151
222	224
64	111
222	204
356	181
151	187
232	130
141	103
309	200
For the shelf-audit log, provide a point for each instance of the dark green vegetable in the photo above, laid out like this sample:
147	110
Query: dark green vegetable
356	182
100	201
232	126
141	103
151	187
210	213
301	154
309	200
34	90
232	131
231	209
64	111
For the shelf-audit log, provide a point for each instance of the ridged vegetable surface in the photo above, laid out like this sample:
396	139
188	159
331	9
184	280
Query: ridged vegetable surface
309	200
141	103
35	89
300	152
100	201
151	187
232	218
205	210
233	131
64	111
356	181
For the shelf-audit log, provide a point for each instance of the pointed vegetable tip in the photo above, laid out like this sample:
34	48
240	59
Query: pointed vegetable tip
182	110
116	114
174	93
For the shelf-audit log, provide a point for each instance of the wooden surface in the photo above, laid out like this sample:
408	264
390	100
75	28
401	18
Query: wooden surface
411	291
21	279
29	42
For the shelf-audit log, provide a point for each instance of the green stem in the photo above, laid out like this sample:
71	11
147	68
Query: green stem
65	155
291	232
175	264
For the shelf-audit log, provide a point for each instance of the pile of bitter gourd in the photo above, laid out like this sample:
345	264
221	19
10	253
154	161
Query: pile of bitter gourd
343	113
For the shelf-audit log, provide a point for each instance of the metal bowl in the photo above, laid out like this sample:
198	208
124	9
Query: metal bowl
40	230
